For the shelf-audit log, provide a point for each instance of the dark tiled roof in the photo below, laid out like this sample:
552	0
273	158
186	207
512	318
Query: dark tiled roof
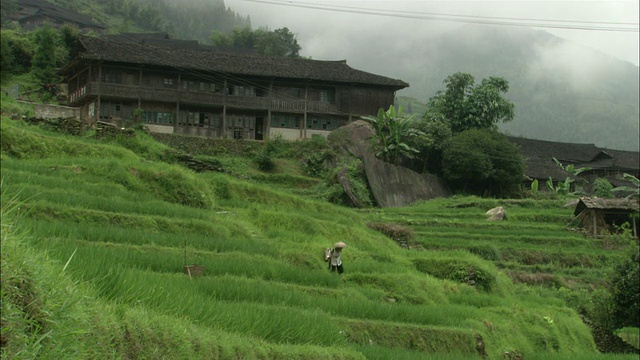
155	39
624	159
539	156
542	170
566	153
237	64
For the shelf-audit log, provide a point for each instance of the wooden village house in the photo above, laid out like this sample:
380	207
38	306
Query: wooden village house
201	91
596	162
600	216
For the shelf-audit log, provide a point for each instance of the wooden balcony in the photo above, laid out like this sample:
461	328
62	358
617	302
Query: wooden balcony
93	89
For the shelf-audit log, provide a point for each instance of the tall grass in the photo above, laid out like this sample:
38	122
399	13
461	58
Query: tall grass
123	226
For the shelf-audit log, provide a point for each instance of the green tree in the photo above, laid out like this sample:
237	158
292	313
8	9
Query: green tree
433	137
624	291
633	190
392	131
44	58
20	51
602	188
280	42
464	105
6	58
7	7
483	162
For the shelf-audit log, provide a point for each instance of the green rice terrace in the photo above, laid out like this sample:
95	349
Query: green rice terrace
96	234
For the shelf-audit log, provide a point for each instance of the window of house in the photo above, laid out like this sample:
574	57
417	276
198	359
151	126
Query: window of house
327	96
112	77
316	122
202	86
168	82
286	121
295	93
160	118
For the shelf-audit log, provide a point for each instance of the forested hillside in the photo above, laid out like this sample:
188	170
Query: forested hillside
184	19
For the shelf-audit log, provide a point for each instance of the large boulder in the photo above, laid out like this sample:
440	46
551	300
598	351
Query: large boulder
391	185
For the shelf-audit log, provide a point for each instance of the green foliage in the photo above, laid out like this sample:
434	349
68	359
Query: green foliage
6	58
483	161
265	294
279	42
396	232
313	164
466	272
434	135
624	291
44	59
264	161
634	190
391	133
571	168
19	51
534	186
602	188
486	252
464	105
563	187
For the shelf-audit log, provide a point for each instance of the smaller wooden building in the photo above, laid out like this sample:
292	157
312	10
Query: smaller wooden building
600	216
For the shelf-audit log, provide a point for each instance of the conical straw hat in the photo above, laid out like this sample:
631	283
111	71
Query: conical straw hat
339	244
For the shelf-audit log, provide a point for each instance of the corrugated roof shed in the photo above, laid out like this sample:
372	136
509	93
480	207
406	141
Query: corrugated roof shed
629	205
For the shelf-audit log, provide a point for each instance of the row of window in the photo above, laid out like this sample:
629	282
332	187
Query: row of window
214	120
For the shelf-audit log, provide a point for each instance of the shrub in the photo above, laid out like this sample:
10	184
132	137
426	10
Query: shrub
313	164
457	270
624	291
486	252
333	191
400	234
264	161
602	188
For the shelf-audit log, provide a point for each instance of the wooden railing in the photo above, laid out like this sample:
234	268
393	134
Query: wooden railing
159	94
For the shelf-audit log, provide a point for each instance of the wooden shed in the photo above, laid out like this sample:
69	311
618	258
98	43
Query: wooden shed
601	216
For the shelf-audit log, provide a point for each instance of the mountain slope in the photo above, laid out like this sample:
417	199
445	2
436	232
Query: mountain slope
562	92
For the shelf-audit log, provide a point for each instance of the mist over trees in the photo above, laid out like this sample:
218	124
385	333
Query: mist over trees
279	42
561	91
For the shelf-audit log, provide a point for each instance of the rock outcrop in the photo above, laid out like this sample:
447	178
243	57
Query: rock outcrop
391	185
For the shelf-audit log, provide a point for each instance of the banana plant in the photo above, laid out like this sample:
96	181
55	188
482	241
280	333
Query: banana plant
633	190
392	130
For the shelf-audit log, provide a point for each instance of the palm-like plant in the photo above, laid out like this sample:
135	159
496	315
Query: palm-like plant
392	131
634	190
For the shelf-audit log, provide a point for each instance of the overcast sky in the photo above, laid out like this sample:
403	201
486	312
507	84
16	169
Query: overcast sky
325	28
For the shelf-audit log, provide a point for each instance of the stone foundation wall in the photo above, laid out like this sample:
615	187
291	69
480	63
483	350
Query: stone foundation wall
48	111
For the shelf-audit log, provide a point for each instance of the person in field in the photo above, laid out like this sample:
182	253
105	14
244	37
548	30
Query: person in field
335	259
